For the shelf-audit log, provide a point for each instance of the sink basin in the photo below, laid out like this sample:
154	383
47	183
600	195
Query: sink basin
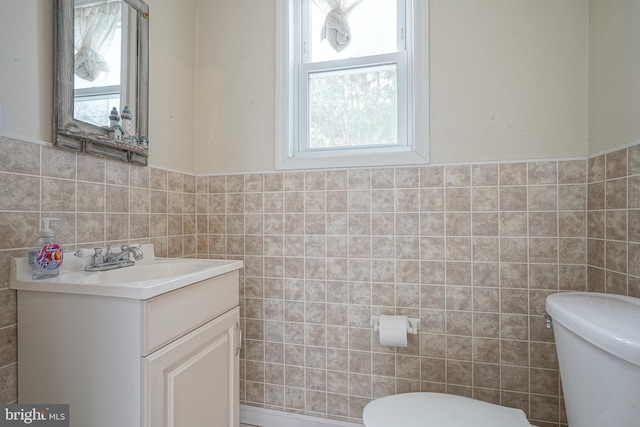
147	278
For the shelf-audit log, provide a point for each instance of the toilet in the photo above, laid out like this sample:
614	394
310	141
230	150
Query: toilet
598	343
439	410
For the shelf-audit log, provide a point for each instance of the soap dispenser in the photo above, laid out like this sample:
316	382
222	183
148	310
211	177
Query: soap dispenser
45	258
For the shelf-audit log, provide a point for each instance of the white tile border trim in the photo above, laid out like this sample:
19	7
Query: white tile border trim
269	418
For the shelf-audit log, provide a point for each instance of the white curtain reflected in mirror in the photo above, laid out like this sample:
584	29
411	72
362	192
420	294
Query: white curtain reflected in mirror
96	26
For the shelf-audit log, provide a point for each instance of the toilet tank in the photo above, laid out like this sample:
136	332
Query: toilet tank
598	343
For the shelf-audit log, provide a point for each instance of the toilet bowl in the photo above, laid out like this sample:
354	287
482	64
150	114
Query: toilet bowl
439	410
598	343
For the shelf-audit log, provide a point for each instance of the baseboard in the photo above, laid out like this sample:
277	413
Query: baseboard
270	418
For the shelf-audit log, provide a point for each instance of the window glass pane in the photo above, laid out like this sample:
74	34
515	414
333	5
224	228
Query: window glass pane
373	25
92	109
356	107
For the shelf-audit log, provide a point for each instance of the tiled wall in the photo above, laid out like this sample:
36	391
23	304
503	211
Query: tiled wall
97	201
473	250
613	222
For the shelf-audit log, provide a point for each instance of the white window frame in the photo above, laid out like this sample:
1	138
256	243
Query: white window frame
288	104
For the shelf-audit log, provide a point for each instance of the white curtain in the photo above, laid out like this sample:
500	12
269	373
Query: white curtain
336	25
94	28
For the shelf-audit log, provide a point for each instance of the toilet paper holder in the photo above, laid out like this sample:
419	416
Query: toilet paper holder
413	325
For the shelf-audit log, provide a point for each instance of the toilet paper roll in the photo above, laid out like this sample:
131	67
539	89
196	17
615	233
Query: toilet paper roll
393	331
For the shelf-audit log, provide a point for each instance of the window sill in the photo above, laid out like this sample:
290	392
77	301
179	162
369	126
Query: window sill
329	161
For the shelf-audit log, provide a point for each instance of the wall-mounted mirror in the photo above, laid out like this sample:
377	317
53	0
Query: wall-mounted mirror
101	85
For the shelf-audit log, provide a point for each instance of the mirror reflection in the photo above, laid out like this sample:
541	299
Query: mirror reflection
102	34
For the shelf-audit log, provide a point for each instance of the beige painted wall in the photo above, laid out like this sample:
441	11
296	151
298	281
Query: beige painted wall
508	81
26	68
26	82
614	74
235	86
172	57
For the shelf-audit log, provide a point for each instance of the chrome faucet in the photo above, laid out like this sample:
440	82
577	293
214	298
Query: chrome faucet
125	253
110	260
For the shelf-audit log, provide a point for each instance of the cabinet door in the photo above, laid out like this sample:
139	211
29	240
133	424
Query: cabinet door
193	382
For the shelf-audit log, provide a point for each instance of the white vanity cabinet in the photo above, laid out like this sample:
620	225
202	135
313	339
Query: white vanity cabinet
168	361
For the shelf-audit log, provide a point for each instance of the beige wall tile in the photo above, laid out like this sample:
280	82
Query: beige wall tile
19	192
572	223
139	176
313	181
158	179
457	176
18	229
117	227
616	194
9	385
19	157
189	184
616	164
174	181
542	173
513	198
116	198
458	199
634	192
572	172
432	176
543	197
543	250
91	168
91	197
91	227
59	163
512	174
596	169
8	345
543	224
483	175
60	195
485	198
117	172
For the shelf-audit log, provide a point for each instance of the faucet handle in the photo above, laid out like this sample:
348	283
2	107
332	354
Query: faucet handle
82	252
97	258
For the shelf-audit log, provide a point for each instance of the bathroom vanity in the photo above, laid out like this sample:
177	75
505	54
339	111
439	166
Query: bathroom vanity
161	349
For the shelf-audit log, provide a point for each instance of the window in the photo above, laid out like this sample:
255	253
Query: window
352	83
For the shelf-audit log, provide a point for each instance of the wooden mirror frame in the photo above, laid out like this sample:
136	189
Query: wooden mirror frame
84	137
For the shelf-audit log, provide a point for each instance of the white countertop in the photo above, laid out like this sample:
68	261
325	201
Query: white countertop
148	278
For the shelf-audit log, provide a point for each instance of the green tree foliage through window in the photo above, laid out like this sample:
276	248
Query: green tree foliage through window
353	107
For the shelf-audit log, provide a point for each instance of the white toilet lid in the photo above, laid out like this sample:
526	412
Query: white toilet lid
439	410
